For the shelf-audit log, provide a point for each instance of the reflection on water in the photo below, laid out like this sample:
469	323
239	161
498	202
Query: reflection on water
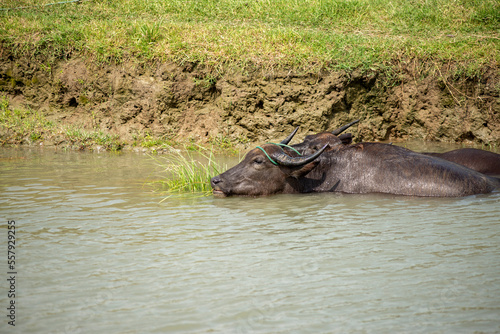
98	252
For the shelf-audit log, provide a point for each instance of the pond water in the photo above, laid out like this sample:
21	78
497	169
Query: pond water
98	252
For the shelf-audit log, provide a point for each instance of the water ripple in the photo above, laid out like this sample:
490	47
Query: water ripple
99	253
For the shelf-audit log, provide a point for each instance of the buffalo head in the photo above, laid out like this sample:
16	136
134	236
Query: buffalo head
333	139
266	170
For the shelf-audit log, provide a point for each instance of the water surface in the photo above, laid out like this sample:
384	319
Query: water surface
98	253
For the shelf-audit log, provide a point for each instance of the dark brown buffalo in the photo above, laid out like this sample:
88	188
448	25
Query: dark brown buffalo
359	168
268	173
479	160
313	143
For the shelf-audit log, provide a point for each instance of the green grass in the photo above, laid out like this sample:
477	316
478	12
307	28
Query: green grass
21	124
24	125
85	139
27	126
150	141
189	171
265	33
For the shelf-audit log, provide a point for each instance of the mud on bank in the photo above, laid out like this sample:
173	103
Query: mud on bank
411	100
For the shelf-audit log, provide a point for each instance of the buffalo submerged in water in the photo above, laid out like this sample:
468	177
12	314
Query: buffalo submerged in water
338	167
482	161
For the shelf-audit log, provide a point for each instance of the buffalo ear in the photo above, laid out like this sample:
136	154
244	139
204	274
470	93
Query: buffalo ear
302	170
346	138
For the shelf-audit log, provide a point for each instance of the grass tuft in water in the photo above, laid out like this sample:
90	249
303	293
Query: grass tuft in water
189	171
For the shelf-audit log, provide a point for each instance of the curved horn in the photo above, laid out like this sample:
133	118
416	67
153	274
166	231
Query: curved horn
343	128
287	139
284	159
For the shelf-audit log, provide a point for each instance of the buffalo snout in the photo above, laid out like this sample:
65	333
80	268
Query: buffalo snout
215	180
216	183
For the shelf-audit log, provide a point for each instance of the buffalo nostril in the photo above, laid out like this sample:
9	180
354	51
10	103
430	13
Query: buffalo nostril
215	180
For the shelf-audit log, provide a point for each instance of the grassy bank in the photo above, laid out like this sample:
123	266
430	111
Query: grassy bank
309	34
187	167
24	126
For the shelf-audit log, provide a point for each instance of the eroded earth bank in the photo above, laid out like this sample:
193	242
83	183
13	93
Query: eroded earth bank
413	100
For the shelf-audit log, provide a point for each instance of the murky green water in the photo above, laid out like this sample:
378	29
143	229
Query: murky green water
97	253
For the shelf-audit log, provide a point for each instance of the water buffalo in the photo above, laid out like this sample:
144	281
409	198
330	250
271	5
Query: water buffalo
359	168
257	159
312	143
479	160
265	170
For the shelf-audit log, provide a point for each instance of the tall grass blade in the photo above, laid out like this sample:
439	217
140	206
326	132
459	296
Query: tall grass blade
188	172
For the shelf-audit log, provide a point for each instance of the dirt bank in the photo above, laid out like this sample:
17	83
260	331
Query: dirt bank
412	101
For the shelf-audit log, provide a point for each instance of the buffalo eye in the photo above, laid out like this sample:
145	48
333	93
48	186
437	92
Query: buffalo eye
258	160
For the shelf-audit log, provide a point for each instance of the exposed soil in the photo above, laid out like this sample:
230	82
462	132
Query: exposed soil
416	101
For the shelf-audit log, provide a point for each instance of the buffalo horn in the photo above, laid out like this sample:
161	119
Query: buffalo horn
343	128
287	139
284	159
